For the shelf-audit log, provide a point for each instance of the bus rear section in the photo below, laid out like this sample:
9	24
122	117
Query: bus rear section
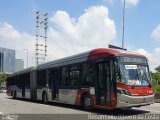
22	84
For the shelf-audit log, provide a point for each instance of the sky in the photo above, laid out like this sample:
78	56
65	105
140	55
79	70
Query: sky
75	26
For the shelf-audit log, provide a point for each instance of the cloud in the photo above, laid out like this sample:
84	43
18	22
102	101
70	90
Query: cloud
92	29
156	33
131	2
13	39
66	35
153	57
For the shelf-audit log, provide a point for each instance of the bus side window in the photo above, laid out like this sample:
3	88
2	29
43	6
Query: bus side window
87	74
74	75
41	80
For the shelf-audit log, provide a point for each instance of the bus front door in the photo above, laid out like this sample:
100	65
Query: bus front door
103	84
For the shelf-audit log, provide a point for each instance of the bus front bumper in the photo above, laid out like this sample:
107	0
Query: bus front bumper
133	101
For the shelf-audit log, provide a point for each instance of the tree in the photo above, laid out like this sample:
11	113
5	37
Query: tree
2	78
157	69
157	89
156	80
155	76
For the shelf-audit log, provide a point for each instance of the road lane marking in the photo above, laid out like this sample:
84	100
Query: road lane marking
149	110
154	111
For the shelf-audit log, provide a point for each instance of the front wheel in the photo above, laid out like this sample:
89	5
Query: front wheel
86	102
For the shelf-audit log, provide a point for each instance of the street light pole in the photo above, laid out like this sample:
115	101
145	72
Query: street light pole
123	24
27	56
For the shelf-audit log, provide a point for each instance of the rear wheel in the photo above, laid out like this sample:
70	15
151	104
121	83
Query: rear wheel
44	98
86	102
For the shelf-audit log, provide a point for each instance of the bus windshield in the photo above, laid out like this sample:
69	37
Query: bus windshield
137	75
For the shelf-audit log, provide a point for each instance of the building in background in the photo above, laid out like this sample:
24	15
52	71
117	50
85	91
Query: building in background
19	64
7	60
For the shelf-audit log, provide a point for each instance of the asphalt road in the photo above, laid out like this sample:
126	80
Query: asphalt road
19	109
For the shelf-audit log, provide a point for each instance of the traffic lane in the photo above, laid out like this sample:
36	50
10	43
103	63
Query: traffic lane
115	114
95	114
26	109
18	105
29	107
154	108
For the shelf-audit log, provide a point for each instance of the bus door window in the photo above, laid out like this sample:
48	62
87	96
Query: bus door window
23	79
104	84
101	84
50	77
54	83
108	78
65	77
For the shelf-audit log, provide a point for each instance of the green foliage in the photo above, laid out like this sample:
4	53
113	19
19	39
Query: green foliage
156	78
154	83
157	69
2	78
157	89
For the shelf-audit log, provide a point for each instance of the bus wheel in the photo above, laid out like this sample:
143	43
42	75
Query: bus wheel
86	102
44	98
15	95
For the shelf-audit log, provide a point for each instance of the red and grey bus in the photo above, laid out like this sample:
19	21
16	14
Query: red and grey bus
101	78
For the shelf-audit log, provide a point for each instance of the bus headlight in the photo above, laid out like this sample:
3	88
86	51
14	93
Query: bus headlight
123	91
127	92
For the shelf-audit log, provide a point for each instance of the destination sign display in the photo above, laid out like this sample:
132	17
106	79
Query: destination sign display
132	59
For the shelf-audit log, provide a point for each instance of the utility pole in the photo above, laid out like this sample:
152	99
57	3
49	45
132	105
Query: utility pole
123	23
41	37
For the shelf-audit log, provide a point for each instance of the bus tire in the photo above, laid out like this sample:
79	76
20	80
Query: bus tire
44	98
86	102
15	95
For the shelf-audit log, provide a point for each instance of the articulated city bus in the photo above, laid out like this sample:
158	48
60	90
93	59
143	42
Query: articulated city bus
101	78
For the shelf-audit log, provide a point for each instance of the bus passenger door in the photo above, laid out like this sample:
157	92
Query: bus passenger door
55	78
23	87
103	84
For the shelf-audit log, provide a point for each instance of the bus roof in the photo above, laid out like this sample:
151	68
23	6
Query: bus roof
116	52
27	70
78	58
85	56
